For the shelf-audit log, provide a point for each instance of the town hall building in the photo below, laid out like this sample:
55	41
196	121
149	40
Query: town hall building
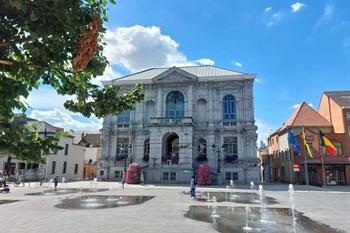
189	116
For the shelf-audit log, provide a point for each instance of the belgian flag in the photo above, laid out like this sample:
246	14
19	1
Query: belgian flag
330	148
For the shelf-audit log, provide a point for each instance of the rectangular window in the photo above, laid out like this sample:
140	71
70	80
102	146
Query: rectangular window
230	146
172	175
165	175
228	175
234	175
76	169
64	167
117	174
348	115
122	147
66	149
339	147
53	167
21	166
102	172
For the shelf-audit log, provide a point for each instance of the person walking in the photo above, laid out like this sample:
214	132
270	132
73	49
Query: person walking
142	179
56	182
193	188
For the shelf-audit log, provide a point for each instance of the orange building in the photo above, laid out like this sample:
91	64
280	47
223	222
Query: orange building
285	165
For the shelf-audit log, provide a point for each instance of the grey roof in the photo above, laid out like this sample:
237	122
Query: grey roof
90	140
342	98
199	71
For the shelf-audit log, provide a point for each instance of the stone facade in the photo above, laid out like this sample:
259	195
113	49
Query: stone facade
174	129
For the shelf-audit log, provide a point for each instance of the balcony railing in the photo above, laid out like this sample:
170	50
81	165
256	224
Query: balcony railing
170	159
171	120
229	123
231	158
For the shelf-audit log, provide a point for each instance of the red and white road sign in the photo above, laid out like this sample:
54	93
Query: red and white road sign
296	167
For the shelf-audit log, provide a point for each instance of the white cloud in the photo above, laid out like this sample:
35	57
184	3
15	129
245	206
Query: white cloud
258	80
297	6
264	130
138	47
108	74
238	64
275	18
269	24
205	61
295	106
328	11
267	9
64	119
46	97
325	17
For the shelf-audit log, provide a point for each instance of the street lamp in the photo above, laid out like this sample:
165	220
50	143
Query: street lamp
130	150
218	153
109	152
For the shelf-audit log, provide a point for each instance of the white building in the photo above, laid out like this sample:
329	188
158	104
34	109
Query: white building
190	115
68	162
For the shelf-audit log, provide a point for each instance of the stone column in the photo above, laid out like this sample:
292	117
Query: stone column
190	101
159	102
210	105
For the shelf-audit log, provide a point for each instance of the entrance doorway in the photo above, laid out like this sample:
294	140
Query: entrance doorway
171	145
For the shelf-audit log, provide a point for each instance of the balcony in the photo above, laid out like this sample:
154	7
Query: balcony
170	159
229	123
171	121
231	158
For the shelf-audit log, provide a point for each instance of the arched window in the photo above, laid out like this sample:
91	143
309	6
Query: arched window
175	104
202	150
229	107
146	150
124	116
202	147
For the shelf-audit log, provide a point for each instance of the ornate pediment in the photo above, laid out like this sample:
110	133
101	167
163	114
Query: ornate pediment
175	75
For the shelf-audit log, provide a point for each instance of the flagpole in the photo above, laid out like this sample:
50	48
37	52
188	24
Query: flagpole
323	168
306	168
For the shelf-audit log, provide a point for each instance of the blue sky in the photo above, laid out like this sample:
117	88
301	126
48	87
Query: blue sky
297	49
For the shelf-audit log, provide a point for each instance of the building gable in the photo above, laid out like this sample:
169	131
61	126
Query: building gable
305	115
175	75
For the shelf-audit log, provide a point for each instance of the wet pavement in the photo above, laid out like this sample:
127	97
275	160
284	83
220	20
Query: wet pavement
7	201
101	201
237	197
65	191
275	220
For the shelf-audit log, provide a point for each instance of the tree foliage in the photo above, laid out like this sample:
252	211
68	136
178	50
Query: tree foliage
40	42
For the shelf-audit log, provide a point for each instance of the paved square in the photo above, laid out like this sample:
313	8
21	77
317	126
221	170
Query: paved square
164	213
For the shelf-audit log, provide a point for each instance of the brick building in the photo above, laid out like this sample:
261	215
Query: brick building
331	119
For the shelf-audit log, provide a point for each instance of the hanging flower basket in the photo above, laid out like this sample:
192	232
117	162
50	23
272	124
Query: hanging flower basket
230	158
202	158
120	157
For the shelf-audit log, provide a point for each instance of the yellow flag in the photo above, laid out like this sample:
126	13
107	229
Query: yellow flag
307	145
